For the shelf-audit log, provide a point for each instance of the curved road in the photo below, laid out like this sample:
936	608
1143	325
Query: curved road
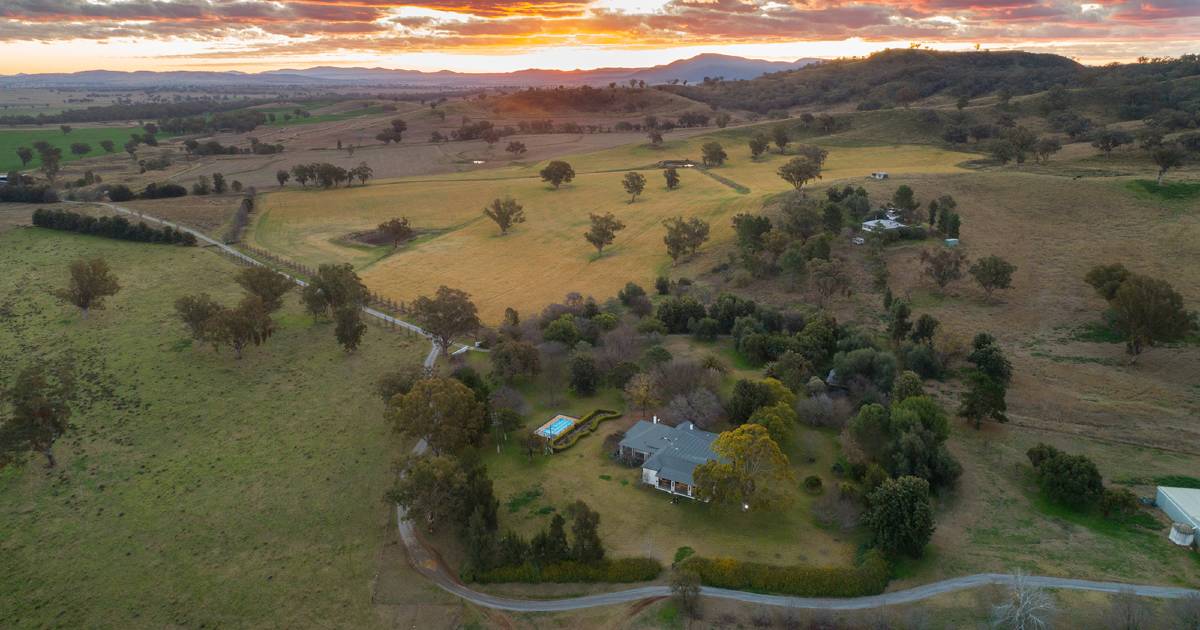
428	566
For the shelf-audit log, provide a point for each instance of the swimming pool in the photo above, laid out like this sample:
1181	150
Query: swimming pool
557	426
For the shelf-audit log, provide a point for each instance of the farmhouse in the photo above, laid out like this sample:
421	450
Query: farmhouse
668	455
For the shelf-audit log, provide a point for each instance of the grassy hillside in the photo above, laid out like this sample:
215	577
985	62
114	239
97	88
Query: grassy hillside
11	139
193	489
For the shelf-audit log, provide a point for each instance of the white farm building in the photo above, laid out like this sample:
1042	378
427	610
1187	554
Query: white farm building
1183	506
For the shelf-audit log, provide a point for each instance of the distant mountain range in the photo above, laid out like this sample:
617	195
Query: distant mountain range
692	70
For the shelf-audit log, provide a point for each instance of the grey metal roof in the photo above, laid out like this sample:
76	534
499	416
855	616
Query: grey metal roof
674	451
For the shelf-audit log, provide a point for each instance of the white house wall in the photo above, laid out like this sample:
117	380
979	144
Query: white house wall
649	477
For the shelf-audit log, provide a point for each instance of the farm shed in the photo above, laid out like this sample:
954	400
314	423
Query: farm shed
1181	504
879	175
881	225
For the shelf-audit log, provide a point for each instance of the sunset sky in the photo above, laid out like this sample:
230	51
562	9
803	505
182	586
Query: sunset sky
502	35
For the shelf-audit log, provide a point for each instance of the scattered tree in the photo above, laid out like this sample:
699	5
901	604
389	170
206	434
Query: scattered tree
683	238
672	177
197	312
828	277
442	411
269	285
603	230
516	148
25	154
1167	157
429	488
40	399
557	172
91	281
350	327
1106	279
943	266
249	323
398	230
642	391
799	171
505	212
634	183
1109	139
992	272
755	474
1045	148
448	314
1149	311
758	145
334	287
780	134
685	589
712	154
901	516
1029	607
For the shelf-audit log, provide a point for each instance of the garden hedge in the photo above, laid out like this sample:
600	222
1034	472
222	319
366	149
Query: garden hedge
587	425
619	570
869	577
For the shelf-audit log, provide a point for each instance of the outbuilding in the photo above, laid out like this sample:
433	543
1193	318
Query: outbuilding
881	225
879	175
1181	504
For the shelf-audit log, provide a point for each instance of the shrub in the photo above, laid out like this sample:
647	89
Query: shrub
683	553
812	484
119	193
1072	480
28	194
621	570
869	577
706	329
163	191
1118	502
662	285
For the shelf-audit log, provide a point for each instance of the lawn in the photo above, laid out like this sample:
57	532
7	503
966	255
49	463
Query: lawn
193	489
11	139
545	257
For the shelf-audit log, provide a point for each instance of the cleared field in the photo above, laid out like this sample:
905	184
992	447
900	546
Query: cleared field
545	257
538	262
195	489
11	139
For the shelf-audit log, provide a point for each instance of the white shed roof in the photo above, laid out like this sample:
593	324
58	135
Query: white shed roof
1181	504
881	224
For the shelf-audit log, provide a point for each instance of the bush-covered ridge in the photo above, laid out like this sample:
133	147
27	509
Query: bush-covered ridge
898	77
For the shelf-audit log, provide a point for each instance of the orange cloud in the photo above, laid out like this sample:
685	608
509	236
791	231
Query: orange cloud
283	28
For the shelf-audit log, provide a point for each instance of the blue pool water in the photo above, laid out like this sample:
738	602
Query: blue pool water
556	428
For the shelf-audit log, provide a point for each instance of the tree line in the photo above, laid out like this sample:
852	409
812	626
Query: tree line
110	227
